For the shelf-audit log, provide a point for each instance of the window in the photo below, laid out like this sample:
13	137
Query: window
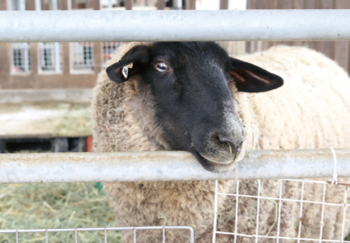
82	56
20	51
108	49
50	57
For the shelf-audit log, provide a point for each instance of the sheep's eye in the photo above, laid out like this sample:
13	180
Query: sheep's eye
161	67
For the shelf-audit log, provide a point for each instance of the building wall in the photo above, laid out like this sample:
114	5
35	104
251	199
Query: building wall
68	79
34	78
337	50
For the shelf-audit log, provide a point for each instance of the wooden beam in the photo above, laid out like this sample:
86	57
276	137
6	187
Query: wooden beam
342	4
98	57
267	4
62	4
34	59
5	52
309	4
30	5
223	4
298	4
66	63
327	4
3	5
128	4
190	4
251	4
161	4
74	4
342	53
94	4
284	5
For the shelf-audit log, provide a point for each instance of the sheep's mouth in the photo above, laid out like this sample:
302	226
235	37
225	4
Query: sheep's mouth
215	166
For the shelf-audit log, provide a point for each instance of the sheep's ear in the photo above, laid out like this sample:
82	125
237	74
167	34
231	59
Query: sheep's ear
133	62
251	78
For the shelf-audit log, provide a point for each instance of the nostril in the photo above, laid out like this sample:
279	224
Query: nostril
225	142
220	140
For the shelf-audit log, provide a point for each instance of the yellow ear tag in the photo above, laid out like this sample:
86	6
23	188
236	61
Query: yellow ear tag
125	70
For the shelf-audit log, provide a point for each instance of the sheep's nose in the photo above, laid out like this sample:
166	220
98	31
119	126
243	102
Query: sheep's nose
233	144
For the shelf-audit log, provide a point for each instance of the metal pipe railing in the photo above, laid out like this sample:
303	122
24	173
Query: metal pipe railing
168	166
62	26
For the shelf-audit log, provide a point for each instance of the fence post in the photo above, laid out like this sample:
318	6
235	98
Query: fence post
61	4
95	5
65	45
3	5
30	5
223	4
161	4
190	4
4	50
98	49
128	4
34	59
74	4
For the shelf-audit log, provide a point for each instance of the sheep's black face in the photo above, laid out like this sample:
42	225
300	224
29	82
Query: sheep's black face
190	85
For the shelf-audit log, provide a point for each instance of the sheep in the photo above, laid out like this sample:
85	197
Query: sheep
135	108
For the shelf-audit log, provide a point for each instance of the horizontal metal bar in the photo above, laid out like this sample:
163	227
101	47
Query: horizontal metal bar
287	199
61	26
167	166
277	237
11	231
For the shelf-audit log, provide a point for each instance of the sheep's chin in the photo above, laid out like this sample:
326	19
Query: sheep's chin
217	167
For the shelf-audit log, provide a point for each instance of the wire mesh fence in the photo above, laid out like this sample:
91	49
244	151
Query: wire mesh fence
266	212
276	220
134	230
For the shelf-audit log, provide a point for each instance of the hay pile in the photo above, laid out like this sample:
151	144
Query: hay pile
59	205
